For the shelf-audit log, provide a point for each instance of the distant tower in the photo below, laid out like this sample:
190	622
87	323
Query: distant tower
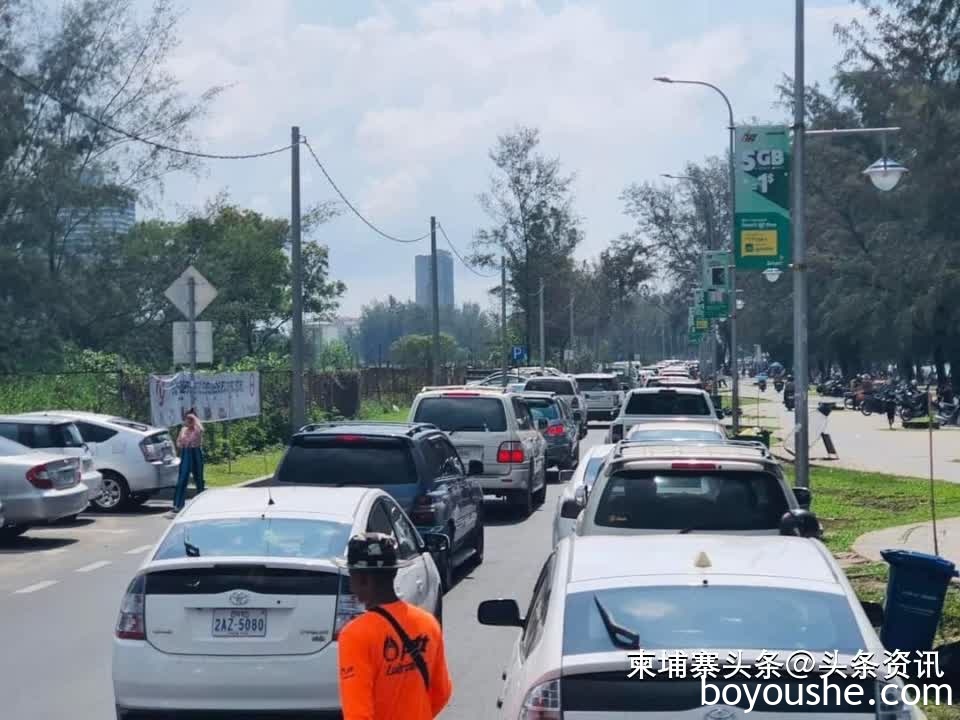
422	266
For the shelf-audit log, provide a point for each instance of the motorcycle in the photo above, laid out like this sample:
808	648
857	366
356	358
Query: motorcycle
851	401
949	413
789	399
914	405
778	385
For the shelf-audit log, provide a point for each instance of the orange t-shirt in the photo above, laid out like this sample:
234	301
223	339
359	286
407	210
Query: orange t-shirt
379	680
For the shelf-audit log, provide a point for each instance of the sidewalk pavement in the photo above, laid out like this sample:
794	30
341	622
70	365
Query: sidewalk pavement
917	537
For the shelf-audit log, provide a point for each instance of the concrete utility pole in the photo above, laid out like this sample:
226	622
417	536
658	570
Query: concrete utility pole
435	292
192	339
572	343
543	349
800	373
503	320
298	402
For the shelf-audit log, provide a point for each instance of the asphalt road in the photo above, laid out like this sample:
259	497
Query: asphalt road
60	589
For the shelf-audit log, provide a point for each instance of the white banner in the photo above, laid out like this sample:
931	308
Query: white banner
224	396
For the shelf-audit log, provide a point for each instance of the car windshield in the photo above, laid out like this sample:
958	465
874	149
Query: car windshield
667	403
347	461
459	414
691	500
255	537
712	617
598	384
679	435
543	409
554	385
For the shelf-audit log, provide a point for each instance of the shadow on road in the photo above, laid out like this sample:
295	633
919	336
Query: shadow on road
28	544
73	522
497	513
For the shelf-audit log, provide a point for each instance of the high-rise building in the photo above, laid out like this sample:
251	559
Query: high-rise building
424	278
85	227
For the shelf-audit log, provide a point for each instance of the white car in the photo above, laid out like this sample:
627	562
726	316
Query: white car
57	435
578	488
239	607
602	393
600	600
37	487
136	460
496	429
677	432
662	404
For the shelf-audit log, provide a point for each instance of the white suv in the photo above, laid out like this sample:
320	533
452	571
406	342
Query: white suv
136	460
496	429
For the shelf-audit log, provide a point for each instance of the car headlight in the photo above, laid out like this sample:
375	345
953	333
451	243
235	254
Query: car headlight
542	702
889	702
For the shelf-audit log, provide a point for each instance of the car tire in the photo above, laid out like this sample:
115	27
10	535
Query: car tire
115	495
137	499
478	541
445	567
523	499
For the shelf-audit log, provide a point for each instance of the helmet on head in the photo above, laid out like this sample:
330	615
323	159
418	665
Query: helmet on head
372	551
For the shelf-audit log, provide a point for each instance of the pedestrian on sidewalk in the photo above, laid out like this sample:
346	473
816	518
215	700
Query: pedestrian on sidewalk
392	664
190	444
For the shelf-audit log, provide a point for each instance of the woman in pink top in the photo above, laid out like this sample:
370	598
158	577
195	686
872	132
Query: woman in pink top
190	443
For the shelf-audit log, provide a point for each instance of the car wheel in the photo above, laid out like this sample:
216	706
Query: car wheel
478	541
13	531
524	499
438	610
137	499
445	566
115	495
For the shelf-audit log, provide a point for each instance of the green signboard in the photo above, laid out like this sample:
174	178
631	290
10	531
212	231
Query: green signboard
715	266
715	304
762	232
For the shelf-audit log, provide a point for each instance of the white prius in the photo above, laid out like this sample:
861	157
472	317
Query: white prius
239	606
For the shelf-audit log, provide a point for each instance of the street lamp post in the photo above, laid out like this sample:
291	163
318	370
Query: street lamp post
735	400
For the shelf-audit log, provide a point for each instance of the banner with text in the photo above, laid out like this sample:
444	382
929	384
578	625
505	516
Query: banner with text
223	396
762	195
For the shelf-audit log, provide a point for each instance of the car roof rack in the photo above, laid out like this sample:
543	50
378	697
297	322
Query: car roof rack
717	447
412	428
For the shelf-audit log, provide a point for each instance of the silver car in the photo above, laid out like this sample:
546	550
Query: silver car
37	487
136	460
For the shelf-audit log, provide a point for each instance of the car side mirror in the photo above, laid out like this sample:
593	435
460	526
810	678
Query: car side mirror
436	543
571	509
874	611
800	523
720	414
474	467
624	387
803	496
542	423
504	613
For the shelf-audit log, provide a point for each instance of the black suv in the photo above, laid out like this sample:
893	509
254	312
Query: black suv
414	462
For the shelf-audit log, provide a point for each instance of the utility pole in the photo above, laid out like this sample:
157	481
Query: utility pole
543	349
192	339
298	403
571	343
800	373
435	292
503	320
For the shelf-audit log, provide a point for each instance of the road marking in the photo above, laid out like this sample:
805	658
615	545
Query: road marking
93	566
138	550
37	586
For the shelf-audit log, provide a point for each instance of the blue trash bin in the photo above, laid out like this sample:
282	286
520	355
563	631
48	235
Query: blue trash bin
916	589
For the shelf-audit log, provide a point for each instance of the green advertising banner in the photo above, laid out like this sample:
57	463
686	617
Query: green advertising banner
715	269
762	222
715	304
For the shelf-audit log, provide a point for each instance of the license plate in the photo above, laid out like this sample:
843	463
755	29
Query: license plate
239	623
470	453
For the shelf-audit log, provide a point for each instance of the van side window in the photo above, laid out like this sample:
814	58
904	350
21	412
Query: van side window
520	409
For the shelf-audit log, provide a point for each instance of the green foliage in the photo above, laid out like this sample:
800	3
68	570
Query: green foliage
334	355
414	351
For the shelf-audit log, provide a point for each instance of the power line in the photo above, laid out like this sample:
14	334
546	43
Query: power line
467	265
72	107
354	209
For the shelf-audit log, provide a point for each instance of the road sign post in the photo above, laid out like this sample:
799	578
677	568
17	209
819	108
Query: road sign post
191	293
762	187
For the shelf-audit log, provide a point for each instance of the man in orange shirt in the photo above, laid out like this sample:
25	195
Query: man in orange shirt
391	658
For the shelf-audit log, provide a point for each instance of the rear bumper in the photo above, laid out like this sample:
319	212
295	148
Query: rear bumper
559	454
155	476
44	505
517	479
94	482
146	681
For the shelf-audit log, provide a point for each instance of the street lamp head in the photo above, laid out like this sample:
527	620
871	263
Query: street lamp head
663	79
885	174
772	274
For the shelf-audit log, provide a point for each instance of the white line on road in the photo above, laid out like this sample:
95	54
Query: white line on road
35	587
138	550
93	566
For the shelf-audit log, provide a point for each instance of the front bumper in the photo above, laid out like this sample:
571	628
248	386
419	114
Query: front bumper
45	505
146	681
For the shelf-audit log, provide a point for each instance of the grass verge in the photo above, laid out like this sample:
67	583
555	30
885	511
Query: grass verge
242	468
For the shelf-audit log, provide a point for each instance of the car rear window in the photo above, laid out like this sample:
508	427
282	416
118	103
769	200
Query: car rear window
41	435
255	537
543	409
598	384
667	403
554	385
463	414
691	500
712	617
347	461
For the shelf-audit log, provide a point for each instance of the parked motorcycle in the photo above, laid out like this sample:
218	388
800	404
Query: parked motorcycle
778	385
949	413
762	384
850	401
914	405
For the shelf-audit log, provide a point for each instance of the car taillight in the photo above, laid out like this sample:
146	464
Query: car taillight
424	511
510	452
41	477
555	430
542	702
616	432
348	607
132	623
151	451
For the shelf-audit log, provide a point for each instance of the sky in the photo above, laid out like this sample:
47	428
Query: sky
403	99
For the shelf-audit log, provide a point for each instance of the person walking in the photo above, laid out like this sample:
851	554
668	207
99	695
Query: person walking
392	663
190	444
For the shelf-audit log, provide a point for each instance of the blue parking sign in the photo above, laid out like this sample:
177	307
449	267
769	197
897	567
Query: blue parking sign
519	353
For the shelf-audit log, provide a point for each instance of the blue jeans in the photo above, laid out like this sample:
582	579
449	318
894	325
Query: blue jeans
191	461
